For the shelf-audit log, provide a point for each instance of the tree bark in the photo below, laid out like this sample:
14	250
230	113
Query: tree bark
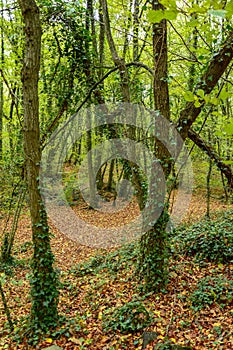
44	280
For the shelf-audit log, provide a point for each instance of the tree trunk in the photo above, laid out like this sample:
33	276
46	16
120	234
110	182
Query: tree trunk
1	82
44	291
153	256
152	264
118	61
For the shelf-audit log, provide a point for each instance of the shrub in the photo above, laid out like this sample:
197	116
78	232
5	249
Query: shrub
212	290
113	262
169	346
208	240
130	317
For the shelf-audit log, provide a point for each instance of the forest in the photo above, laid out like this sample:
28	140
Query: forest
116	174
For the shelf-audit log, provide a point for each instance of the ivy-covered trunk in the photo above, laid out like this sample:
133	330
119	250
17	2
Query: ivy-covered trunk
153	259
153	243
44	291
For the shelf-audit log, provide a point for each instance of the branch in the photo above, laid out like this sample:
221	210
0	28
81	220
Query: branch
204	146
93	88
217	67
13	95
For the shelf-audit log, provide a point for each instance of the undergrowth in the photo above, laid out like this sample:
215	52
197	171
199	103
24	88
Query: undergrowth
206	240
113	262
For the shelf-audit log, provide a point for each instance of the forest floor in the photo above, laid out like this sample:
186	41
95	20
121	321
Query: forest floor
89	295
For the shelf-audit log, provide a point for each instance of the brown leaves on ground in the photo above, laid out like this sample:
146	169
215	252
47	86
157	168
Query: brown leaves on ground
87	298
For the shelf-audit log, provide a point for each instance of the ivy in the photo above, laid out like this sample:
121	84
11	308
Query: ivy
153	256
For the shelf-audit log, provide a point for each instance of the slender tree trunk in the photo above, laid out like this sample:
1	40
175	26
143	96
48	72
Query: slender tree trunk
6	308
110	176
135	31
44	280
152	264
1	83
118	61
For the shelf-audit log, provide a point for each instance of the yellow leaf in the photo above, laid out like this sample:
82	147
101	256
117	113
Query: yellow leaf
160	337
156	312
49	340
210	336
173	340
100	315
217	324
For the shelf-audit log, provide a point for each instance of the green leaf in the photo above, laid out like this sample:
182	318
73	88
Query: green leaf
229	128
155	16
201	93
214	101
219	133
158	15
224	94
168	3
229	9
170	14
188	96
193	22
197	104
197	9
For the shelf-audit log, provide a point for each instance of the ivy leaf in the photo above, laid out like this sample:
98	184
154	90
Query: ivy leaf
188	96
214	101
197	104
201	93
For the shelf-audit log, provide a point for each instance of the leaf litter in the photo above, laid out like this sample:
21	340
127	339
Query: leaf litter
92	288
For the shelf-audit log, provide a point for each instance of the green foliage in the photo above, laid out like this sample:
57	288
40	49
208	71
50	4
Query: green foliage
131	317
71	189
8	268
169	12
91	266
44	280
169	346
123	258
212	290
207	240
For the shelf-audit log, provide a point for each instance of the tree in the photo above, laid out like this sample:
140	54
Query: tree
44	282
153	257
153	262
